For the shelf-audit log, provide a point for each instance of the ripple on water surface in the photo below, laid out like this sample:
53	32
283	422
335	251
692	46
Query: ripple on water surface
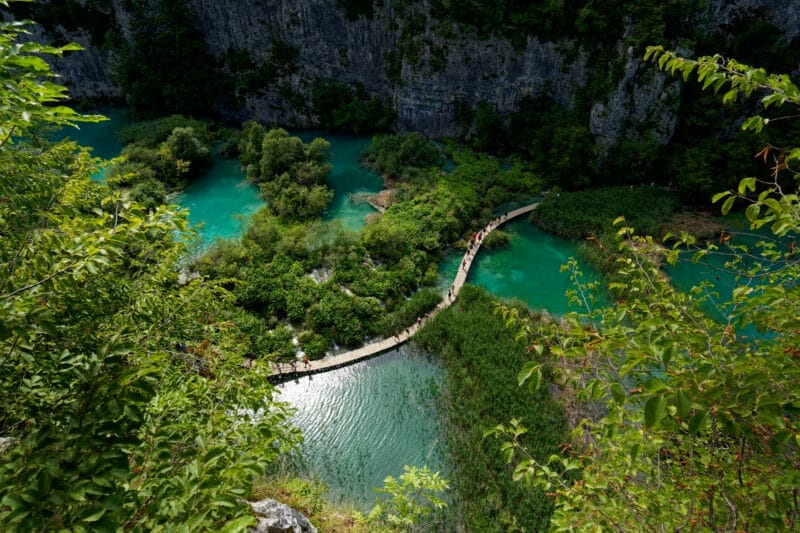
364	422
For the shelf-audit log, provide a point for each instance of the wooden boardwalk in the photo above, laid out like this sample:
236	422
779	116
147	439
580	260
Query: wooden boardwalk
289	371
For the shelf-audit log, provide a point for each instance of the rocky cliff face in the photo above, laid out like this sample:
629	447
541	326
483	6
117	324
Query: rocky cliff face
467	70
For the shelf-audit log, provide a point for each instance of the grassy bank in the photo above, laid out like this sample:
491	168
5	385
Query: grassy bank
481	358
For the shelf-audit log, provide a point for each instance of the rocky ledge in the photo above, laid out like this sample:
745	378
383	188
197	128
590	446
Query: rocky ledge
277	517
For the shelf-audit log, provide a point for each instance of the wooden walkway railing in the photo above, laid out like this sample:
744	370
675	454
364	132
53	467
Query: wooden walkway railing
289	371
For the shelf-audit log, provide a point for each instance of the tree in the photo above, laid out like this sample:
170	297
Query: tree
166	67
124	406
695	422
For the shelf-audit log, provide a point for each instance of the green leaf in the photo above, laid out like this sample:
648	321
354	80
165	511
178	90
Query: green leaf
14	501
683	403
635	450
747	184
698	421
752	212
618	393
92	514
654	410
719	196
532	371
214	455
727	205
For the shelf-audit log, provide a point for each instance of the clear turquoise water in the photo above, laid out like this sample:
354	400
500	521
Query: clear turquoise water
364	422
221	201
712	268
100	136
527	269
347	177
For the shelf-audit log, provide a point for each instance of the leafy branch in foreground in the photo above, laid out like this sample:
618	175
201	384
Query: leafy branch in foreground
27	87
695	418
124	404
411	499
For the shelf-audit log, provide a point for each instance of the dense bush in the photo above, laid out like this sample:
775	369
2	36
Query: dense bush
152	132
345	319
184	145
313	344
343	107
409	310
493	182
291	173
396	156
481	358
124	404
149	192
576	215
496	239
180	157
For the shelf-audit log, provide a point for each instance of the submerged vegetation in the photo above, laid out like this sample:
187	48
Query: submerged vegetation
481	358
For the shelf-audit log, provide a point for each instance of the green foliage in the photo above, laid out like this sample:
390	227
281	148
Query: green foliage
250	142
695	420
313	344
349	108
184	145
292	174
411	499
580	214
421	302
278	288
495	183
345	319
342	287
150	193
496	239
424	222
166	67
180	157
481	357
151	133
398	156
27	85
122	396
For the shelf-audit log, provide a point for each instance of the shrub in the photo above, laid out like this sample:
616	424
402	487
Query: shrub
409	310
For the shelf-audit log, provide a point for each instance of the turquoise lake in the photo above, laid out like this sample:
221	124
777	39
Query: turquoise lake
364	422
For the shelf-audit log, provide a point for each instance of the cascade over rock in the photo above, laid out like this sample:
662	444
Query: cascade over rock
460	68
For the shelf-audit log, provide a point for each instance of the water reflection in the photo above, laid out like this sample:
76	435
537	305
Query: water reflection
364	422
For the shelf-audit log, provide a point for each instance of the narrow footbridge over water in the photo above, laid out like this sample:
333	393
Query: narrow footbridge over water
288	371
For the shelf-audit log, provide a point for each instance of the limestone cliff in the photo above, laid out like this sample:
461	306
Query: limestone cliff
451	70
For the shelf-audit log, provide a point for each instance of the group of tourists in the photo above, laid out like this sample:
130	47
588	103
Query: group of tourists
477	238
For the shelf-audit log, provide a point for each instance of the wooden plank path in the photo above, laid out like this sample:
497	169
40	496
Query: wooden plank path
291	371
